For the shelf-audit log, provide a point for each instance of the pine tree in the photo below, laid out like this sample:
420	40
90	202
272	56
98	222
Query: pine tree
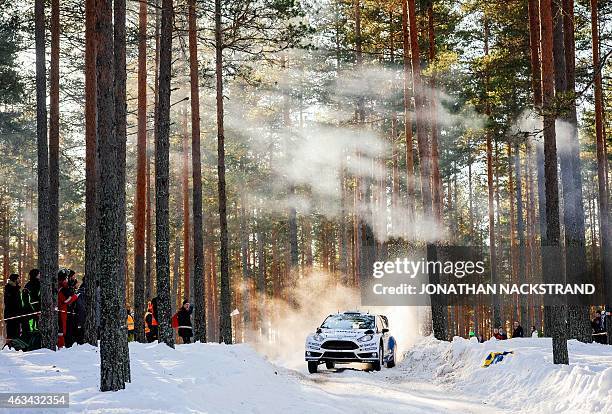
54	139
141	171
551	253
225	321
604	213
91	177
199	286
162	177
48	317
114	356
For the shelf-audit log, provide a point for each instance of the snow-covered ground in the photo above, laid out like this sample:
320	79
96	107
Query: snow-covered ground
434	377
526	380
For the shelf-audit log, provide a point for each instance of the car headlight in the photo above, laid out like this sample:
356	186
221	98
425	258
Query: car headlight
318	337
366	338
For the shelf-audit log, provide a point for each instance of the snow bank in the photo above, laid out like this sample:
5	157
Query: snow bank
525	381
435	377
192	378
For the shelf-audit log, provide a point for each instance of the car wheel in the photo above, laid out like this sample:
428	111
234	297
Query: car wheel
391	361
376	366
330	364
312	366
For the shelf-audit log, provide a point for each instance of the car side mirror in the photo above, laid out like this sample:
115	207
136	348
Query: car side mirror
319	330
385	330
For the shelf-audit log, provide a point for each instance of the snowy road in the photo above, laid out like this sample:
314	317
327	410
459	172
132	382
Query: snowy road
435	377
388	391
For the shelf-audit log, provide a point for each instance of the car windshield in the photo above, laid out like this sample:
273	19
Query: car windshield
350	321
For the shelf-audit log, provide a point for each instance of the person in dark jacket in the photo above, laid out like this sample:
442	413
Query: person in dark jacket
80	308
30	296
184	321
503	334
13	306
518	330
599	333
73	332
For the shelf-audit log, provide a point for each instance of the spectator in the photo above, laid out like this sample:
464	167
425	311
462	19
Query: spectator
80	310
184	321
65	296
150	324
518	330
502	334
602	320
72	322
13	306
130	325
599	333
496	334
30	297
534	332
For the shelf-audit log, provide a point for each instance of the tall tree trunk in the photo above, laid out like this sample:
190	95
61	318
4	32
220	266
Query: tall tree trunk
199	286
186	219
92	241
604	212
435	157
113	341
48	317
579	326
521	232
491	191
395	185
121	141
438	311
550	244
162	177
536	85
293	230
149	234
149	284
54	140
225	322
407	115
246	268
366	247
141	171
176	277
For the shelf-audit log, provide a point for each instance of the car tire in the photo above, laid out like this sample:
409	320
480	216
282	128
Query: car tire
391	361
313	366
330	364
376	366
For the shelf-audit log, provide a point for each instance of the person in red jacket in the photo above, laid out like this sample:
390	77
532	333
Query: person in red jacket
65	296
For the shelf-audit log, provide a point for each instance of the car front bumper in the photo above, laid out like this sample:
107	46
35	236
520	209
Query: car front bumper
363	353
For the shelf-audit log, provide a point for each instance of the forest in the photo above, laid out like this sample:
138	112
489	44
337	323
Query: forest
226	152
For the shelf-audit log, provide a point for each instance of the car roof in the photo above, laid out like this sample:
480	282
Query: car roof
356	313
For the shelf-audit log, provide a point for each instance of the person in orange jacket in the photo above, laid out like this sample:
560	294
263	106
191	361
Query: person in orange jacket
150	324
65	296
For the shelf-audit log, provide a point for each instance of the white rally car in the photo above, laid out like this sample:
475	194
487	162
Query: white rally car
351	337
